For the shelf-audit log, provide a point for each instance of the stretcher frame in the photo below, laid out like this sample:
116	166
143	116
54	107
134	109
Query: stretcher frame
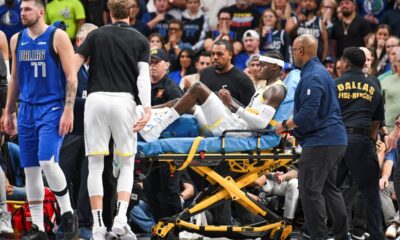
251	165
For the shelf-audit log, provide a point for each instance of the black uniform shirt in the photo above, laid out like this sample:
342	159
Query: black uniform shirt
360	100
114	52
165	90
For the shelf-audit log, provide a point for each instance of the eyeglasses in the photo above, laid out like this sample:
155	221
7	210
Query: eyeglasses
224	19
174	29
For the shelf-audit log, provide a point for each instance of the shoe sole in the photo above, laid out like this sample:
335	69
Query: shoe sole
119	230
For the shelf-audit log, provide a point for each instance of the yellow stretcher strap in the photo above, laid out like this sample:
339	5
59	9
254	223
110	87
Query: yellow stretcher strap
210	128
273	123
192	152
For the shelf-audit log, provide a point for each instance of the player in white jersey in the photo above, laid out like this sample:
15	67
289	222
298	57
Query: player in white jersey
222	112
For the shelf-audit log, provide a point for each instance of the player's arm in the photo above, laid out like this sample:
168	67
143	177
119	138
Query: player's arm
65	51
259	118
325	41
13	89
4	50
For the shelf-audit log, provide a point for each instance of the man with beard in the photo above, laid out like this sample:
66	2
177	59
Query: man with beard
46	82
307	22
351	29
224	75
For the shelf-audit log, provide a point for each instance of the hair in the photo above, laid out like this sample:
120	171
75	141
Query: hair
277	25
355	56
86	27
228	45
384	26
288	9
39	3
374	63
202	54
119	9
224	10
177	65
176	21
158	35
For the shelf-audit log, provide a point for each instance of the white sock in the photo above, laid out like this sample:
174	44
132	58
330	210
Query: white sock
97	218
122	207
37	215
35	193
3	195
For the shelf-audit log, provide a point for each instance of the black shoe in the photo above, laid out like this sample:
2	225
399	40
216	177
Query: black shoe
69	221
35	234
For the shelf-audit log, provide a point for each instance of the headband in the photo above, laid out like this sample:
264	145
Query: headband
271	60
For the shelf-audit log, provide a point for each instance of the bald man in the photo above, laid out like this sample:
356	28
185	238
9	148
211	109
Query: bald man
318	127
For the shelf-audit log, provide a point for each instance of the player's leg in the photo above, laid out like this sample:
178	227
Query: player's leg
28	144
123	116
48	154
97	137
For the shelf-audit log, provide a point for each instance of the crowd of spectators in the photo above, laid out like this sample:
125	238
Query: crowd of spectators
182	34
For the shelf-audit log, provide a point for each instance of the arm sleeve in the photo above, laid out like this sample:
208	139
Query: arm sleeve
310	100
144	85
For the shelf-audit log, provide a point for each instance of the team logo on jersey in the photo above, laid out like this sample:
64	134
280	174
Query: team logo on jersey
66	13
10	18
160	93
373	7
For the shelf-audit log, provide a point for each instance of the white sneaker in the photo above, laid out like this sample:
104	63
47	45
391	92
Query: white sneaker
99	233
111	235
5	223
122	229
152	130
391	231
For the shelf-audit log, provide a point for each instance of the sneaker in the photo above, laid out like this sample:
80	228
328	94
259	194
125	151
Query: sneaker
99	233
391	231
111	236
122	229
5	223
85	233
35	234
159	121
70	226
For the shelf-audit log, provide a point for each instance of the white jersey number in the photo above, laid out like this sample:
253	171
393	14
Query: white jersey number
36	68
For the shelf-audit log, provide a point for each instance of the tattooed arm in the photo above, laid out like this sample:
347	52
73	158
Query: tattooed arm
65	51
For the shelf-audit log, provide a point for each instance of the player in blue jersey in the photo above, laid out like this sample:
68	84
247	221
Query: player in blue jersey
46	85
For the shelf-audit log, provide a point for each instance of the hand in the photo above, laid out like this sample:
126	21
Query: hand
141	123
172	40
225	96
279	129
380	147
67	121
160	17
371	19
9	122
301	18
383	182
391	140
279	177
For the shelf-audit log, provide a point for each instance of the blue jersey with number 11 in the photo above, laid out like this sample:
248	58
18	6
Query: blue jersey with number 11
40	75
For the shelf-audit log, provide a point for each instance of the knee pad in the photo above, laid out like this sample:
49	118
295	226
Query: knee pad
55	176
125	179
95	177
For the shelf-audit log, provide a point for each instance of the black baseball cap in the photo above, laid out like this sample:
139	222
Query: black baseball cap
159	54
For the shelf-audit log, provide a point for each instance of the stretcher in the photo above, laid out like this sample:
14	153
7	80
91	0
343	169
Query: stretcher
246	158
